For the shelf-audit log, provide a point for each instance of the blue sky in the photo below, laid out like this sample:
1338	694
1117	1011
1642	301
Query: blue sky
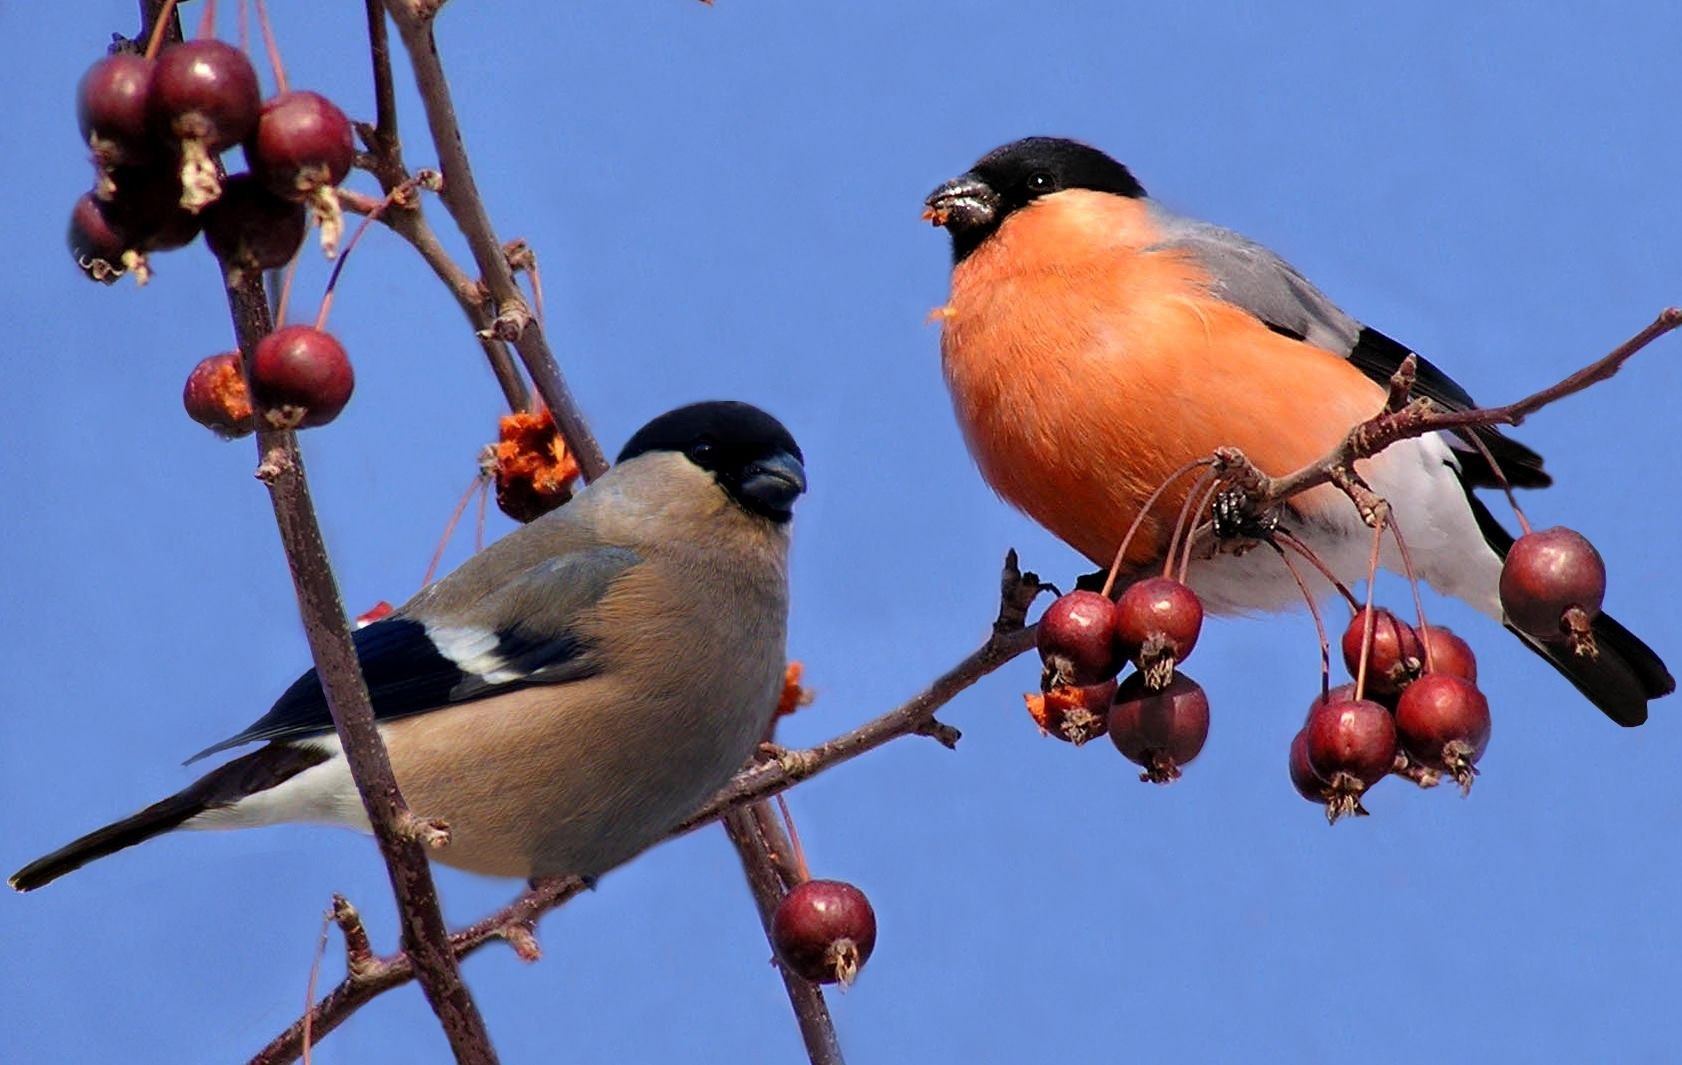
725	203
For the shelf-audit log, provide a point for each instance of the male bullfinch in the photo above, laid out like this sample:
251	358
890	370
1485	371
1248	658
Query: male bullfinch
1095	342
570	693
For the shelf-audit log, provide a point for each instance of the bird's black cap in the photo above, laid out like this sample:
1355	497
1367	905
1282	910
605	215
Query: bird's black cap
752	455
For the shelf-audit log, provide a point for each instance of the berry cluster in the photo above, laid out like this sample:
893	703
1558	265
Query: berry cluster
157	127
1157	717
1413	708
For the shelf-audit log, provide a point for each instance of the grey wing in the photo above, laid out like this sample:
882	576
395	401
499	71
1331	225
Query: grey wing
1248	275
526	631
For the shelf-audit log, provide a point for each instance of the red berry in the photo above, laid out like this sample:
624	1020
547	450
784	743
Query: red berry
1303	778
1443	724
1157	620
1447	653
824	931
300	377
145	202
251	229
1072	714
1077	642
205	91
111	109
1548	574
96	242
216	397
1394	644
302	143
1351	746
1159	729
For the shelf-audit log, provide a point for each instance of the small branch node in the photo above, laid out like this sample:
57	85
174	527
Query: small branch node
941	733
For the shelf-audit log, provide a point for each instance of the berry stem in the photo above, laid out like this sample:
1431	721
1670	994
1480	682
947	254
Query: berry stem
1367	620
269	44
1307	552
484	503
207	21
1413	586
794	839
402	190
156	39
285	292
450	528
1501	479
1139	519
1191	530
1319	625
1180	522
315	974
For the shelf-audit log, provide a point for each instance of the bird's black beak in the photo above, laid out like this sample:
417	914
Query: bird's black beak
773	484
962	203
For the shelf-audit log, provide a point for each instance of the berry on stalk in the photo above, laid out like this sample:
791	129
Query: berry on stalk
250	229
824	931
302	149
1552	584
111	110
1076	640
1351	746
216	397
1157	622
1394	655
145	203
203	96
1303	778
300	377
1160	729
96	244
1444	652
1072	714
1443	724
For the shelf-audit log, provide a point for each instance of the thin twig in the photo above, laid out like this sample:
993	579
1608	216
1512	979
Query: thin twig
512	320
425	936
810	1010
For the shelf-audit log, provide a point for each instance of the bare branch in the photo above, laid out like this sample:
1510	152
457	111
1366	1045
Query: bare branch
766	883
512	319
425	936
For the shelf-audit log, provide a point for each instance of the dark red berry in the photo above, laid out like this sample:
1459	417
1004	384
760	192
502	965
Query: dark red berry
1394	654
300	377
205	91
1073	714
1303	778
216	397
302	143
1351	746
1443	724
96	243
251	229
1158	620
1076	638
1444	652
145	202
204	98
1552	584
824	931
111	109
1159	729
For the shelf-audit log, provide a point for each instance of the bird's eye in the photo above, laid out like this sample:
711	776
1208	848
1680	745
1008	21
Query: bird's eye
1041	181
700	451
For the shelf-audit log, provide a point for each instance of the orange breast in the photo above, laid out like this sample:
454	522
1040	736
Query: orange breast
1085	370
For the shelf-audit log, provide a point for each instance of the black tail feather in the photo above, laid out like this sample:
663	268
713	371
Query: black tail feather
1626	673
258	771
